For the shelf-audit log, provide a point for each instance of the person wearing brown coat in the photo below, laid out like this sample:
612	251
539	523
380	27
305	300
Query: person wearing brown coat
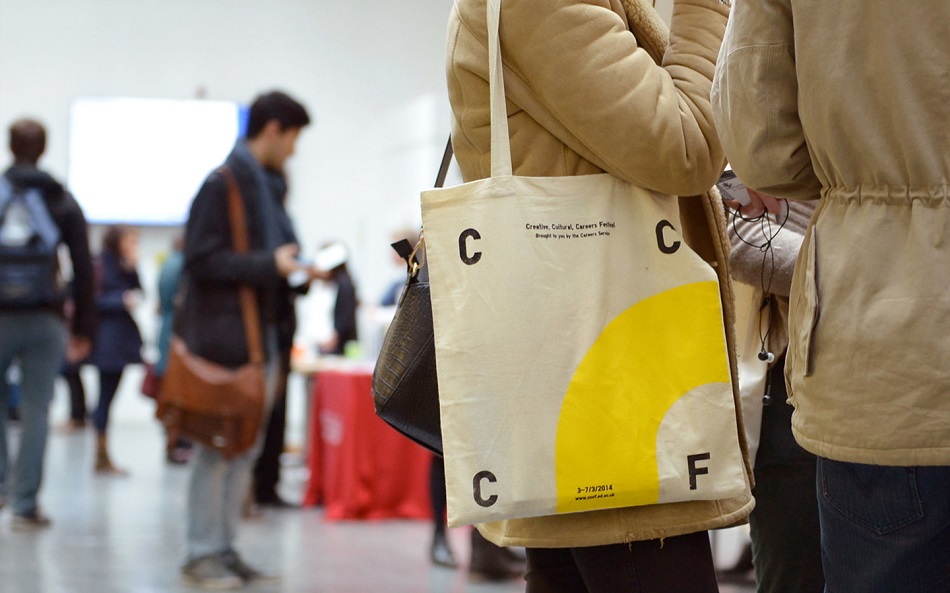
597	86
846	104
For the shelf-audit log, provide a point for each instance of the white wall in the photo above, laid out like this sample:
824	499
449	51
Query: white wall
371	73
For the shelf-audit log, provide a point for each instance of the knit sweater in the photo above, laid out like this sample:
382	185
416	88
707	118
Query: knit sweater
770	268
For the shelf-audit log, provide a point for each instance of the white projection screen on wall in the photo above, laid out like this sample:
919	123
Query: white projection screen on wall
141	161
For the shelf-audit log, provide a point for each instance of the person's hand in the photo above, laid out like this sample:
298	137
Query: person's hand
331	343
318	274
760	204
77	348
285	257
131	299
306	274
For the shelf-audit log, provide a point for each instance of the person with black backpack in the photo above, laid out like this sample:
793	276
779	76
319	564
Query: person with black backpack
37	216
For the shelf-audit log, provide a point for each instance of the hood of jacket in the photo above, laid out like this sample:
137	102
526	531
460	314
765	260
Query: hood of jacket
24	176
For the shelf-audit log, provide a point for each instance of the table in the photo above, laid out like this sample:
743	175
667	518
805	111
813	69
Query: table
360	467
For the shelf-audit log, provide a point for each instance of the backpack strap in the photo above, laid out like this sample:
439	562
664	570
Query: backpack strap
6	195
45	227
32	199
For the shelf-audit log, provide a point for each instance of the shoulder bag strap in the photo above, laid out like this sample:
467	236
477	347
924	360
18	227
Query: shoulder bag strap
249	310
446	161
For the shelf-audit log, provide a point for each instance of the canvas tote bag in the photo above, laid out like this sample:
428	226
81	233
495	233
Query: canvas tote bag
580	349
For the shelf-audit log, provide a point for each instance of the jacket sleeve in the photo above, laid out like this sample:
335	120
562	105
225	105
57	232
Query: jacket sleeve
209	253
75	236
608	100
755	101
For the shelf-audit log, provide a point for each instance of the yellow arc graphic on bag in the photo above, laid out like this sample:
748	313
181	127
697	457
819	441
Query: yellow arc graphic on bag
646	359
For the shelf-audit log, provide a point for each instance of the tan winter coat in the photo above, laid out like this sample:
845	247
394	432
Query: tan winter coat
586	95
850	102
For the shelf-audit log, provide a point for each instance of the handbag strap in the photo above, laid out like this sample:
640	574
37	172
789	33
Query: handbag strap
415	255
446	161
249	310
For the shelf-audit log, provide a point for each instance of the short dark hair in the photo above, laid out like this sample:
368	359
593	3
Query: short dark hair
279	106
27	140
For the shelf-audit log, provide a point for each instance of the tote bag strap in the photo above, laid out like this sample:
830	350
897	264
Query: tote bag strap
249	311
500	145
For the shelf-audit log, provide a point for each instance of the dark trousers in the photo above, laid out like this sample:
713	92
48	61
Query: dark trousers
77	393
267	467
681	564
437	493
108	385
786	539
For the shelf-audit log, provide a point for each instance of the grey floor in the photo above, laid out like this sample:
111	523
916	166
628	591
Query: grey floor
125	535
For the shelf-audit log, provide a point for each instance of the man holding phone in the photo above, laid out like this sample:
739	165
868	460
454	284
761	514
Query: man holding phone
211	322
846	102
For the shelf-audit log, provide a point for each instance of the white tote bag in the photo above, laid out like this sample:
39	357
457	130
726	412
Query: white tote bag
581	355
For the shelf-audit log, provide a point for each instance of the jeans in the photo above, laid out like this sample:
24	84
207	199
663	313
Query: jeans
884	529
680	564
219	486
786	547
38	340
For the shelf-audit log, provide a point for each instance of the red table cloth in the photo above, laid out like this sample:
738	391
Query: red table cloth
360	467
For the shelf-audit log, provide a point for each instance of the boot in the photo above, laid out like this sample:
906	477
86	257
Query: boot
103	463
490	562
440	552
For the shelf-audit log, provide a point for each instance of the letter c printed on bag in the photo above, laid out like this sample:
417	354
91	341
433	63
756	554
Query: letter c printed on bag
477	488
660	239
463	247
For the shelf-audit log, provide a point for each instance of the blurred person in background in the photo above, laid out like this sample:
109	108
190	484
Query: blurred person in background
267	467
169	279
118	341
211	322
77	397
70	372
33	328
332	258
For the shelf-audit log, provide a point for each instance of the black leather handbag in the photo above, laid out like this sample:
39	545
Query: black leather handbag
405	386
